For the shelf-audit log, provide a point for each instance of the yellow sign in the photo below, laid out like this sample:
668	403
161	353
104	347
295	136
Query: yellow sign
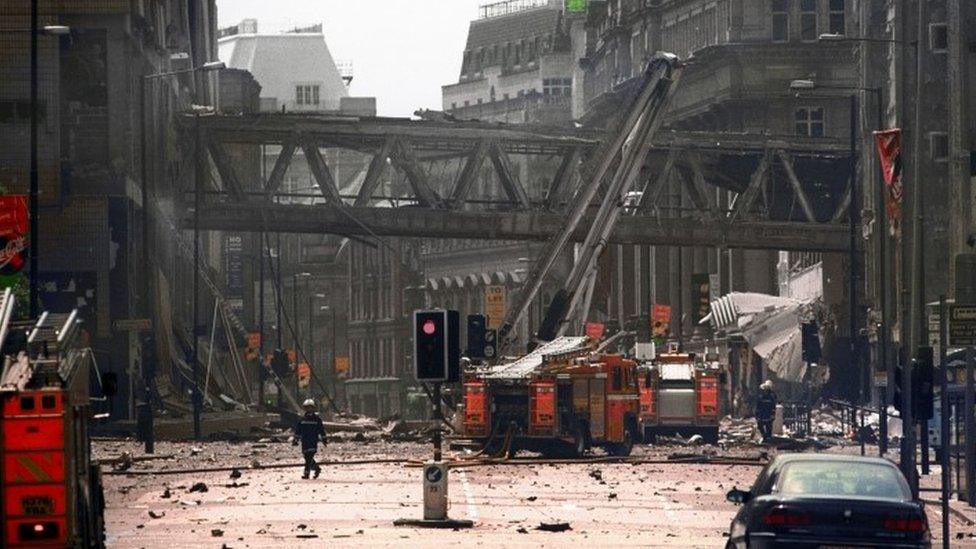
342	366
495	297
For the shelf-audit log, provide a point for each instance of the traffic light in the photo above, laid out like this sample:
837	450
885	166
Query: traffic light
476	336
491	344
899	387
437	346
923	385
810	342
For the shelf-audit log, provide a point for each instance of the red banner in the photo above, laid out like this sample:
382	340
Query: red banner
595	330
13	233
889	152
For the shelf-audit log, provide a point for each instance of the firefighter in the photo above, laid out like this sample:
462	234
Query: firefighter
766	409
309	430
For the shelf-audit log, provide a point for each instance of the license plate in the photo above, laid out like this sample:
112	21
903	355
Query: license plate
37	505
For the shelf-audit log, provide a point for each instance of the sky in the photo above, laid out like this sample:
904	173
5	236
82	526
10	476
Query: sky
402	51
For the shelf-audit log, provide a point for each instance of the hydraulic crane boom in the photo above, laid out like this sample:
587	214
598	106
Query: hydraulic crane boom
624	153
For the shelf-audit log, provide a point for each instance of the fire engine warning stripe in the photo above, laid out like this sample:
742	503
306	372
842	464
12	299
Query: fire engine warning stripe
29	465
32	468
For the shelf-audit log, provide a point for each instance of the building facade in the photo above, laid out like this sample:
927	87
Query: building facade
106	137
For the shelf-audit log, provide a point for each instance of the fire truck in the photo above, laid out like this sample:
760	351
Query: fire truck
565	395
561	399
51	490
679	394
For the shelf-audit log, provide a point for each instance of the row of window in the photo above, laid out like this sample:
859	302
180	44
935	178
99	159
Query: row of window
808	18
810	122
374	357
561	87
511	54
19	111
307	94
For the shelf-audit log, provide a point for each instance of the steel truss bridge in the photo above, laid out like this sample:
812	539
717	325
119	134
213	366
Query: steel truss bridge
701	189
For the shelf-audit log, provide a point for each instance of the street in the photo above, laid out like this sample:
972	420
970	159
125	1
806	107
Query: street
605	504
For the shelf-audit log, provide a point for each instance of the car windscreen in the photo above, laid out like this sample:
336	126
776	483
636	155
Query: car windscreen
841	479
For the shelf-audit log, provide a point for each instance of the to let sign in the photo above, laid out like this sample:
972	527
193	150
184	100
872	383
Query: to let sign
495	305
962	325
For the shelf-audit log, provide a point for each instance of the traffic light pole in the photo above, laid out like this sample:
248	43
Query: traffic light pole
438	419
944	418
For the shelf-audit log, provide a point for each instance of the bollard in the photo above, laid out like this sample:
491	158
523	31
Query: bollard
435	490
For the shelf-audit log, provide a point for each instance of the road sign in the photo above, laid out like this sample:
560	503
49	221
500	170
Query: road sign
962	325
491	343
132	325
880	379
495	297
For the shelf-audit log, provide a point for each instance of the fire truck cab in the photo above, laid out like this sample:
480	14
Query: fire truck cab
572	401
50	488
679	394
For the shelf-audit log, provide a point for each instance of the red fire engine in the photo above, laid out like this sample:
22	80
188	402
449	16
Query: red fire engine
679	394
562	398
51	490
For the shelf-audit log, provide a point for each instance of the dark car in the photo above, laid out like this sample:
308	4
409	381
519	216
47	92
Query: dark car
828	501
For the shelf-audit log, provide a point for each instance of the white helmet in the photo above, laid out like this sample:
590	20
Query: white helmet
768	384
309	403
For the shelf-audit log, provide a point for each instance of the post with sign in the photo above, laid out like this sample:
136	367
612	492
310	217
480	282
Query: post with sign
436	359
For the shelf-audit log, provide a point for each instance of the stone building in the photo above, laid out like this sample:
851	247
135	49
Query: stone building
304	276
97	114
517	67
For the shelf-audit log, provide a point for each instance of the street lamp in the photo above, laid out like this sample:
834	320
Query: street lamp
311	333
799	85
835	37
197	397
332	352
34	234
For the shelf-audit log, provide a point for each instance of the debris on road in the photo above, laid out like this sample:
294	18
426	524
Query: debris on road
553	526
198	487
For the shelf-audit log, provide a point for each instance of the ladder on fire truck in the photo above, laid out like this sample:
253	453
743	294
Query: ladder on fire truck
620	160
51	488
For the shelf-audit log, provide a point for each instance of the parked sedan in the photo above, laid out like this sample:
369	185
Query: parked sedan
828	501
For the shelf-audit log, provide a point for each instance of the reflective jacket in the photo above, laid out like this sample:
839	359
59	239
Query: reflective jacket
310	430
766	405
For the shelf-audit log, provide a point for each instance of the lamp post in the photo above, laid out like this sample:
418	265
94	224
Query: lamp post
852	233
199	175
311	333
332	351
914	325
296	327
35	31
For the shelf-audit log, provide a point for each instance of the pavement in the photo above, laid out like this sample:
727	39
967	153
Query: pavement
354	505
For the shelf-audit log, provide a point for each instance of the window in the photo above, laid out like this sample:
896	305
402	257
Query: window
939	146
810	121
939	37
836	20
781	20
307	94
808	20
557	86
